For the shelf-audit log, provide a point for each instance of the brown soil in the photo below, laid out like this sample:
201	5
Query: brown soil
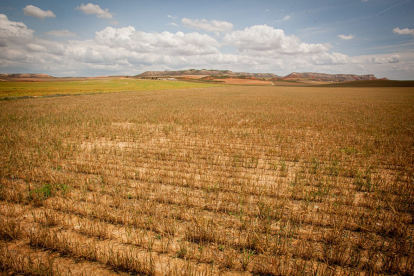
244	81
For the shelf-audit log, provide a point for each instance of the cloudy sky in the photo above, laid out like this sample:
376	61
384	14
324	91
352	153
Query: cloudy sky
128	37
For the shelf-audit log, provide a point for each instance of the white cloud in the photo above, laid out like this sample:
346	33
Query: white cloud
334	58
37	12
116	51
61	33
403	31
164	43
88	51
209	26
53	47
114	22
35	48
382	60
18	38
95	9
287	17
11	29
346	37
172	23
393	66
265	40
112	35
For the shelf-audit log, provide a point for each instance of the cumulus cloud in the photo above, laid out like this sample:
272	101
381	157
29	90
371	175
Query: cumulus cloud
113	51
19	39
130	51
61	33
287	17
95	9
88	51
265	40
37	12
334	58
382	60
173	24
172	17
35	48
113	35
53	47
403	31
165	42
346	37
10	29
214	26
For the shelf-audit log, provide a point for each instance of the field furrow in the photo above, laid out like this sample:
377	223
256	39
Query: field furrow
266	181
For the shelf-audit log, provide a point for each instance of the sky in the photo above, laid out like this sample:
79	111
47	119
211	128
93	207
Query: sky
127	37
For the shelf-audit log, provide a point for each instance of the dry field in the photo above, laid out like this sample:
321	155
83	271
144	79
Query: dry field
243	81
224	180
76	86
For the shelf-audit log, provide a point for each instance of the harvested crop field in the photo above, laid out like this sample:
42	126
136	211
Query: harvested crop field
206	181
243	81
62	86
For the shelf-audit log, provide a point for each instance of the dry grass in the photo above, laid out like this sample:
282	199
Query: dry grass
64	87
231	180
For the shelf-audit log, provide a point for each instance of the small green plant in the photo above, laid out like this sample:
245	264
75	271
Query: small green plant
246	258
314	165
46	191
363	180
282	166
349	150
42	193
182	252
264	210
64	189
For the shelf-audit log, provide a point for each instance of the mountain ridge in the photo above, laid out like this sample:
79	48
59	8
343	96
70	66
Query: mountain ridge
292	76
329	77
26	75
206	72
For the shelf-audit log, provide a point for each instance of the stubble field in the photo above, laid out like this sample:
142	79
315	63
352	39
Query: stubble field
206	181
76	86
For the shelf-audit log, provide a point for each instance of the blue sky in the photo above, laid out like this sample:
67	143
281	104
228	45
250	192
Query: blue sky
126	37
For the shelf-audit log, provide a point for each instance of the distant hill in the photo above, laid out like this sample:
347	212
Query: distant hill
205	73
25	76
295	76
339	80
328	77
